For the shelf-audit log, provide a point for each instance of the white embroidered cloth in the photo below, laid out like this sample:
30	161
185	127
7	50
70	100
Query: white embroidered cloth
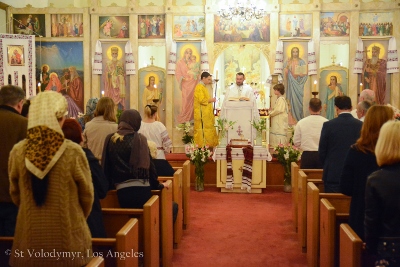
279	58
98	59
392	64
204	66
172	59
358	60
129	61
312	63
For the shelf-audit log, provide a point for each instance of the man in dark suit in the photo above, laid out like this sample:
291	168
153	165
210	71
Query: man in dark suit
13	129
337	136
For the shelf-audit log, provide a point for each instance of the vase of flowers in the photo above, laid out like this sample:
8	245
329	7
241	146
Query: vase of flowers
260	126
223	125
198	157
286	154
187	129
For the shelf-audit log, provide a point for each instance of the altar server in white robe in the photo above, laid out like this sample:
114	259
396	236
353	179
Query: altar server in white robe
241	92
279	118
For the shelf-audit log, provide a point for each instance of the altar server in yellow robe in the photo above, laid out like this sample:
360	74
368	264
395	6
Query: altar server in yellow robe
204	130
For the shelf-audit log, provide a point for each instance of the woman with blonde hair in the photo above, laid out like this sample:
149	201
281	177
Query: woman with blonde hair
361	162
103	124
382	205
50	181
155	131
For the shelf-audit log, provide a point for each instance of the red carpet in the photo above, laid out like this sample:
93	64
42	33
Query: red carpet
228	229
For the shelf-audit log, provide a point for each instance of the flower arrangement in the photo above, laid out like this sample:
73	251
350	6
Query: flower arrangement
198	156
260	124
223	125
187	128
286	154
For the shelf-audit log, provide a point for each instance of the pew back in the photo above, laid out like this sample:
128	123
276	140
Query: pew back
149	228
177	197
185	192
165	215
350	247
302	205
331	216
121	251
295	173
313	216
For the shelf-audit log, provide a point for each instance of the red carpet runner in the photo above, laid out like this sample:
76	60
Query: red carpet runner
228	229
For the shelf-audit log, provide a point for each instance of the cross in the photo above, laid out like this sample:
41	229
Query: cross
333	59
152	59
239	131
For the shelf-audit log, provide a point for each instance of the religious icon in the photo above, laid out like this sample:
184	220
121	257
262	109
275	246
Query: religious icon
374	74
333	82
29	24
151	26
189	26
114	26
16	55
151	89
67	25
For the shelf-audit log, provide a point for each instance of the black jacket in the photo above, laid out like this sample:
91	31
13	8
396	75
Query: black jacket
382	205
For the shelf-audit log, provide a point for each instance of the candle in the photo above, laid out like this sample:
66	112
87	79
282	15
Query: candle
315	86
102	93
216	74
41	77
361	87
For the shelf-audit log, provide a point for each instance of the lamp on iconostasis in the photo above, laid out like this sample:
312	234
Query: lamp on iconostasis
314	91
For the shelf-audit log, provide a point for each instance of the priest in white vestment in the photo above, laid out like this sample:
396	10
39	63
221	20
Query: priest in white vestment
241	92
240	105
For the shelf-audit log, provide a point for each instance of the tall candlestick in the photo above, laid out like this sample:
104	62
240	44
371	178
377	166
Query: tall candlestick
361	87
216	74
102	93
315	86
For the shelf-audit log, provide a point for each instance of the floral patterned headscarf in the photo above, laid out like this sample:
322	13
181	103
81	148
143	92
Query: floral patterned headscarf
45	137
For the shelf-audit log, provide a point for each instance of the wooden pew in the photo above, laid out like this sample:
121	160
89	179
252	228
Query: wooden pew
149	227
166	233
185	192
313	200
295	173
350	247
177	197
121	251
333	212
96	262
303	178
122	242
166	225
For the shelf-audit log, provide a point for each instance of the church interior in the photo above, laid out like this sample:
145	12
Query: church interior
332	38
333	28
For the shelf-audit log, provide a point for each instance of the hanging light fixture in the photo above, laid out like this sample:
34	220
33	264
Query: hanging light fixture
243	10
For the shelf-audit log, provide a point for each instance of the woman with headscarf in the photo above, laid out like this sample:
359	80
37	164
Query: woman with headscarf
126	162
50	181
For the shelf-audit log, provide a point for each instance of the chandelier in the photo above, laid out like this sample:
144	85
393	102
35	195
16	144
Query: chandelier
241	10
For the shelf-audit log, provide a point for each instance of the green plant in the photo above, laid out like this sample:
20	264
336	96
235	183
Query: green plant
286	154
187	128
223	125
259	125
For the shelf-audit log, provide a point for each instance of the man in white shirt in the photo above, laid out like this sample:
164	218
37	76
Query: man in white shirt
241	92
362	109
307	134
365	95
